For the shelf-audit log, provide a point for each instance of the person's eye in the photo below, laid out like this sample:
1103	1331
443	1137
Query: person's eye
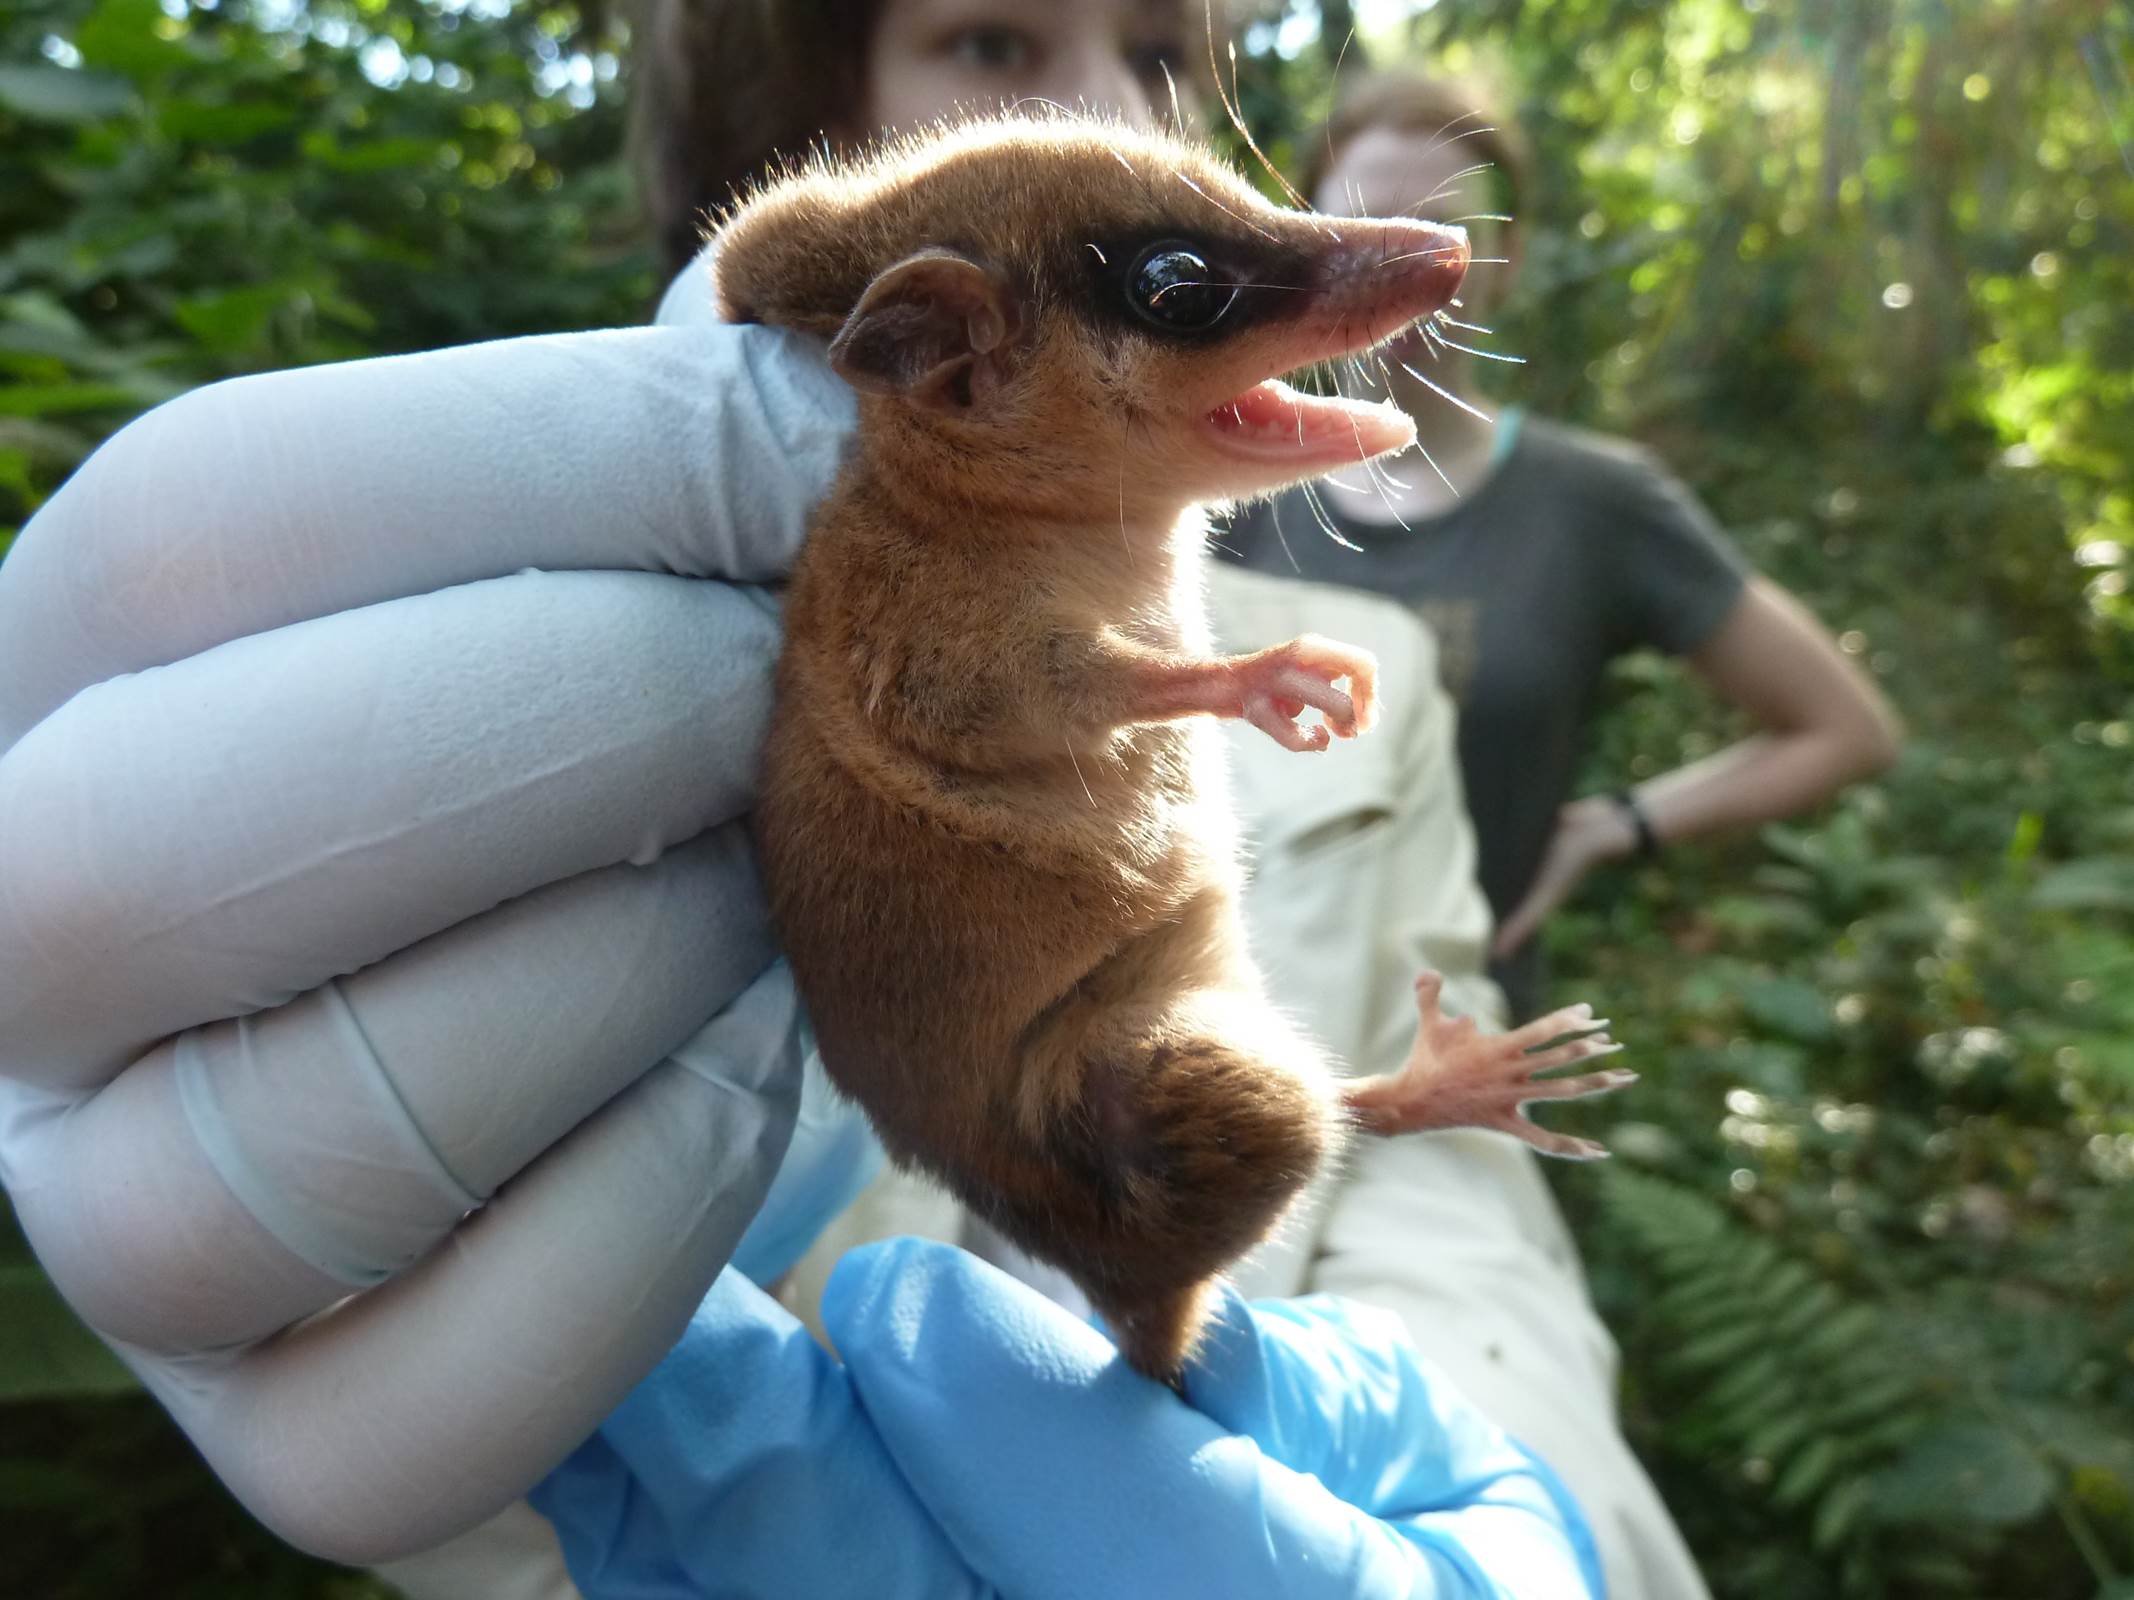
992	48
1172	287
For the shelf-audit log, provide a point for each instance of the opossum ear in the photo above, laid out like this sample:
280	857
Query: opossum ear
933	328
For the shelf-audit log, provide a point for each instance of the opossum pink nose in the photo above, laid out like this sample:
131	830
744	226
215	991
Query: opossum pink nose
1388	271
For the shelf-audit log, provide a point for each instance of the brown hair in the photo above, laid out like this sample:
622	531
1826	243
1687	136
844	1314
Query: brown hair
1409	102
723	87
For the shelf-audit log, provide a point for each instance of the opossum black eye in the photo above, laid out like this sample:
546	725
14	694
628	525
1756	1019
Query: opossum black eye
1173	288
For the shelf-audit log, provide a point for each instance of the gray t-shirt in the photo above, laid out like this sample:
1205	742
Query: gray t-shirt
1575	550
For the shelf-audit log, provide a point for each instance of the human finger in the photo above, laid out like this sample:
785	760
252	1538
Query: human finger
267	500
1058	1471
215	837
1334	1388
746	1465
410	1413
251	1172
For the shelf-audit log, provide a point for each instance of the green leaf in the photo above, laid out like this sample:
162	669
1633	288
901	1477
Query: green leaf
57	94
1789	1007
1808	1472
204	123
1840	1512
45	1352
2078	1437
1964	1470
122	35
2099	884
385	155
235	320
50	399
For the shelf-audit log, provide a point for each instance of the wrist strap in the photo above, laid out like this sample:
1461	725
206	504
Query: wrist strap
1648	841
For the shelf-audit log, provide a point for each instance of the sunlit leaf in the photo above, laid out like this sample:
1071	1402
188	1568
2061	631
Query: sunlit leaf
55	94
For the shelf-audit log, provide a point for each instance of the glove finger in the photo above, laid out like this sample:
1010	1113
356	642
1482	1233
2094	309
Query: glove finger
750	1442
357	1125
834	1155
1058	1471
616	1539
213	838
1318	1383
410	1413
1334	1388
252	504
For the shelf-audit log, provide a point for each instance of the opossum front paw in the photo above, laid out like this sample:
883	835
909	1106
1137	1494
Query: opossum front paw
1459	1077
1276	685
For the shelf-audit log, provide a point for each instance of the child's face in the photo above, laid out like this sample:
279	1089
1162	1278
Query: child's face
929	57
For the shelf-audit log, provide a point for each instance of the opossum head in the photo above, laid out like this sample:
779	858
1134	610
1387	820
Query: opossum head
1047	314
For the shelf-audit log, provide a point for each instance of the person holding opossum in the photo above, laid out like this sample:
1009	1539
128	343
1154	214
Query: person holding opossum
377	1122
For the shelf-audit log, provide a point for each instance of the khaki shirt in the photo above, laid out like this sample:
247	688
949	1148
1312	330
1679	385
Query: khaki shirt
1361	873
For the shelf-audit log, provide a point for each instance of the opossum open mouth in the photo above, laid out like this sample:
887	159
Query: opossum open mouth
1273	422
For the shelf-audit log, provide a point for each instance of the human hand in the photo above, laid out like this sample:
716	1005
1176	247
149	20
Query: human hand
1588	832
978	1441
374	878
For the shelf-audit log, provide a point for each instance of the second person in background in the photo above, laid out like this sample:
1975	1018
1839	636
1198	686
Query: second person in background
1539	553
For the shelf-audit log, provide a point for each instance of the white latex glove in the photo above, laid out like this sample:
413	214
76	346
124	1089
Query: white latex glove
374	910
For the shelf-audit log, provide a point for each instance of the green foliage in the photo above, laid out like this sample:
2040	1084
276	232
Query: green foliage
1859	271
1858	268
202	191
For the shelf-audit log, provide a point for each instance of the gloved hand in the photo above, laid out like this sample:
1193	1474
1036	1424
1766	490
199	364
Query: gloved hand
979	1441
374	909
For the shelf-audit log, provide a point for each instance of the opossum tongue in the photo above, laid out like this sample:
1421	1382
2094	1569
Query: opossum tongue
1271	422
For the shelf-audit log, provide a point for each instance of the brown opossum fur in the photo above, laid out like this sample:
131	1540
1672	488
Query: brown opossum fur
993	820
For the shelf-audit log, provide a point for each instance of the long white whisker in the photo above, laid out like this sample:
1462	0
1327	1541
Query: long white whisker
1225	210
1434	467
1434	253
1445	393
1469	172
1068	745
1274	511
1326	524
1232	99
1178	117
1486	355
1438	139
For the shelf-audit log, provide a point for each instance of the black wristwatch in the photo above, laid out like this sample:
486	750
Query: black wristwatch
1648	841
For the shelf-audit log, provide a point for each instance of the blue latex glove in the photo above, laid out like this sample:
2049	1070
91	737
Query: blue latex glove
979	1441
